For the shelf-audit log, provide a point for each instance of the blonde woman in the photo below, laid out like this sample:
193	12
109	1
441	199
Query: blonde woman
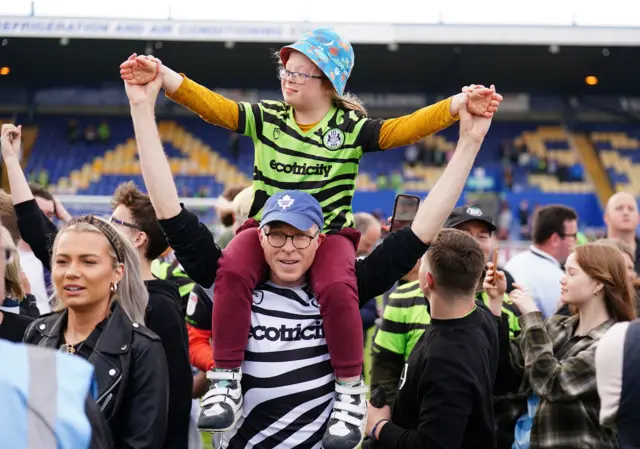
99	315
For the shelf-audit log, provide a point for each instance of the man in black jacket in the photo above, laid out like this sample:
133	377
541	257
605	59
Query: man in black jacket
135	216
198	254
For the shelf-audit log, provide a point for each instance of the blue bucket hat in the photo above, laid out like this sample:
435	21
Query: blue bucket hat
326	49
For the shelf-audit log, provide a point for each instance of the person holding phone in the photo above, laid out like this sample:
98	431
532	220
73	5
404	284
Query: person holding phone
407	315
194	247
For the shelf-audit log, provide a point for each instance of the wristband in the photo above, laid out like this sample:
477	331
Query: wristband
375	427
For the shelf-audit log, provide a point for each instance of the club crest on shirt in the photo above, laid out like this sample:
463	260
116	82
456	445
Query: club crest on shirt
333	139
258	297
286	202
192	303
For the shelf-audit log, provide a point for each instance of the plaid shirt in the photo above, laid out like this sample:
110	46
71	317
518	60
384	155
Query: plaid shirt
549	360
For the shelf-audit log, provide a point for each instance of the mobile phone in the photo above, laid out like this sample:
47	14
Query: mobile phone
495	265
404	211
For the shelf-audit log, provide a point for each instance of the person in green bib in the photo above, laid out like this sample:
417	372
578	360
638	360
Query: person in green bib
406	316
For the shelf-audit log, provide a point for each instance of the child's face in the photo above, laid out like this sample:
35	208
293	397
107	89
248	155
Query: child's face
303	96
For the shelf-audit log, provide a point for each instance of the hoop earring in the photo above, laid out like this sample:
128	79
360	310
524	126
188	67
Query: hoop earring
114	287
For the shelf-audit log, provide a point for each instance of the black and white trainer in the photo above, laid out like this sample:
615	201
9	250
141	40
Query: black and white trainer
222	404
347	422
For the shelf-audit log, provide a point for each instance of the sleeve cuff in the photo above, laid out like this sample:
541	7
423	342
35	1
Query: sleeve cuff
390	434
415	246
530	320
26	208
179	96
175	223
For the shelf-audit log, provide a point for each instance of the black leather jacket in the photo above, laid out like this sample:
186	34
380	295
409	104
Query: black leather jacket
131	373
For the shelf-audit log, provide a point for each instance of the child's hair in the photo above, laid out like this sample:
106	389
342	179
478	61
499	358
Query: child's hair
348	101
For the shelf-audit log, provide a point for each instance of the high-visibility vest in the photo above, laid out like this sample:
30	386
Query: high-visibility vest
43	395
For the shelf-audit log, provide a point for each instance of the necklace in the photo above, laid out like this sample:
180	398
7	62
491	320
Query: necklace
69	349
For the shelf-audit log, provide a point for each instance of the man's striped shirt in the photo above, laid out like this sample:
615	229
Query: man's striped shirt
288	381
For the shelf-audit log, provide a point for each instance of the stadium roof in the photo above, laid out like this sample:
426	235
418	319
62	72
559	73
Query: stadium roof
433	69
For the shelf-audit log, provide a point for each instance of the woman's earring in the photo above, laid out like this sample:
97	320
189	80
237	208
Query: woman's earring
114	287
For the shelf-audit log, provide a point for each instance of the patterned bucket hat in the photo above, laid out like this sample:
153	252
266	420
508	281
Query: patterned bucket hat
326	49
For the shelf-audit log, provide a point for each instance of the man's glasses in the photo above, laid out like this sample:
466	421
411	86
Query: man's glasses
124	223
300	241
296	77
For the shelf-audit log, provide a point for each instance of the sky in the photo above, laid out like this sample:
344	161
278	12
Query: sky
622	13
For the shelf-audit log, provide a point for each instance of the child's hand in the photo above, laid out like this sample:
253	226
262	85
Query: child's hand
145	93
482	101
139	70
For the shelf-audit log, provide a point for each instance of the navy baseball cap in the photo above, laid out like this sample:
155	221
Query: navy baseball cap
295	208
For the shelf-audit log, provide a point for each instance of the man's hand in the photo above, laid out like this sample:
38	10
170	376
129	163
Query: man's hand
11	138
145	93
472	126
61	212
495	292
374	415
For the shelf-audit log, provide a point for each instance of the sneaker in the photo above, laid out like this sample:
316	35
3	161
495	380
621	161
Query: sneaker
347	422
222	404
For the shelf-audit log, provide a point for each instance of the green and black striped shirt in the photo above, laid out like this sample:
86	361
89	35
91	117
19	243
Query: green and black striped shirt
323	161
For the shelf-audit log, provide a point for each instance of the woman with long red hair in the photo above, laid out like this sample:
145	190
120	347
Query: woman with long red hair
550	367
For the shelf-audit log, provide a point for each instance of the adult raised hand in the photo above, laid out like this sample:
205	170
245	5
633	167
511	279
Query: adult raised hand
472	126
145	93
11	137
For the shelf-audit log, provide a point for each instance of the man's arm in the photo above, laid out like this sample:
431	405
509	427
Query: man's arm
447	402
378	272
191	240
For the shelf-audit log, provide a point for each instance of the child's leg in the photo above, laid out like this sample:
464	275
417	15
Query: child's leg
241	268
333	280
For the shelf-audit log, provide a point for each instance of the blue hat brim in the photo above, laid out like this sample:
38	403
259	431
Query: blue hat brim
298	221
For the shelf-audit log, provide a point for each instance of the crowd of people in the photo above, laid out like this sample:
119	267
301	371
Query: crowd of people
261	343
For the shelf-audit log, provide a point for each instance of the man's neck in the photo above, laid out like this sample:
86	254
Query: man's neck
80	323
280	283
547	249
450	309
145	269
592	314
411	277
24	246
629	237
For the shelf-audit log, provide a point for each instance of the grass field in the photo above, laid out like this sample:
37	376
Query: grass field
206	437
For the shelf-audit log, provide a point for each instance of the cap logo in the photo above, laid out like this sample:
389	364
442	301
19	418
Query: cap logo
285	202
474	212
